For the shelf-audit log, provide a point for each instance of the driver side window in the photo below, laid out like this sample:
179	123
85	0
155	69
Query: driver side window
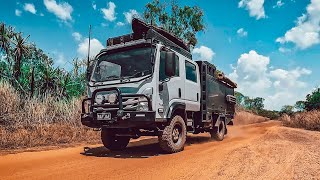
162	75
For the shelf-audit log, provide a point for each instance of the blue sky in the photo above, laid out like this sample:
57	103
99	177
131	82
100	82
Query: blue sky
271	48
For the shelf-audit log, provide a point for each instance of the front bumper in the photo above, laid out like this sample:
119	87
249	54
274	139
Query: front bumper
120	118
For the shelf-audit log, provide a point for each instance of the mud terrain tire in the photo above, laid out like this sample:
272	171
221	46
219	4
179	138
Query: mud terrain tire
218	133
173	137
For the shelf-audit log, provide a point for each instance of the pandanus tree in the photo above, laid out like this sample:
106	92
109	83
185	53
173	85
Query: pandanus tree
6	34
48	83
5	38
20	50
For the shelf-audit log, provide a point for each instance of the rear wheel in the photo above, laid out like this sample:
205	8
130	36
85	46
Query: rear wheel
113	142
218	133
173	137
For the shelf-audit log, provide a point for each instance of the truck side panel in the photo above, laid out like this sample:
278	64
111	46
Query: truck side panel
216	100
213	96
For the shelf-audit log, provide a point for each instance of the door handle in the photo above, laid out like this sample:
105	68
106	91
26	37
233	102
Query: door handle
179	92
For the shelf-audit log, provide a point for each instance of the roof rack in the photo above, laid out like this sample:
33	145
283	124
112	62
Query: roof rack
141	30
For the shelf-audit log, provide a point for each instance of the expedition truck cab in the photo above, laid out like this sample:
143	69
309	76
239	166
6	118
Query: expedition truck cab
146	84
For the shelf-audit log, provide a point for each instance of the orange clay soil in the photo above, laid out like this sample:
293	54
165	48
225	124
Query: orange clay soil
257	151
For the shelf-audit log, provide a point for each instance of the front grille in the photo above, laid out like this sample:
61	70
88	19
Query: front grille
128	102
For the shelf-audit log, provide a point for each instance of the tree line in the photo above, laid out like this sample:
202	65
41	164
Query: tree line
31	71
256	105
312	102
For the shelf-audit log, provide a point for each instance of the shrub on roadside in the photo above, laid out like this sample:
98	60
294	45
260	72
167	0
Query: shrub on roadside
309	120
29	122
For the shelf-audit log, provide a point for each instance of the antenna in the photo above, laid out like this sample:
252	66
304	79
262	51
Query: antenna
88	60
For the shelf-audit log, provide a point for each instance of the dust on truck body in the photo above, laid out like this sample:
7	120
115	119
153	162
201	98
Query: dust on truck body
146	84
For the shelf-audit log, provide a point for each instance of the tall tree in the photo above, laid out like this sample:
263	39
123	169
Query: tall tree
313	100
20	50
300	105
255	104
183	22
5	38
287	109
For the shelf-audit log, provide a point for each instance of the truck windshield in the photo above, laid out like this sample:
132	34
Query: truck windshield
131	63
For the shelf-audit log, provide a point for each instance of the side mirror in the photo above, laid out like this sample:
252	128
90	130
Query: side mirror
88	74
89	71
170	64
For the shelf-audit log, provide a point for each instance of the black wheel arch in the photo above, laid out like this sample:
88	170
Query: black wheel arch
177	108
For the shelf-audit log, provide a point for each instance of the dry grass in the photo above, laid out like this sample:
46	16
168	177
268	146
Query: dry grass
244	117
307	120
26	122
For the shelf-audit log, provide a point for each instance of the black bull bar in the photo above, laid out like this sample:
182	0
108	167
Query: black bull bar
89	118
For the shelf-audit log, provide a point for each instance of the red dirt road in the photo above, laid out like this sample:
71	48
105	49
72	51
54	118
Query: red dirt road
258	151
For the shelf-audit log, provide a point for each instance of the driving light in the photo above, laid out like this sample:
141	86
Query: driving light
112	98
99	99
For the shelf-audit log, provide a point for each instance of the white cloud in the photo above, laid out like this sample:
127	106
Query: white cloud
109	13
306	33
120	24
255	8
77	36
104	24
17	12
30	8
278	4
95	47
203	53
289	79
94	5
131	14
251	74
242	33
278	87
62	10
284	50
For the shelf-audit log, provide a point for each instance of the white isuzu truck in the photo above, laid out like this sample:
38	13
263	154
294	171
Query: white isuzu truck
146	84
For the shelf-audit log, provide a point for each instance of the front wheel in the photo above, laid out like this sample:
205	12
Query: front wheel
218	133
173	137
113	142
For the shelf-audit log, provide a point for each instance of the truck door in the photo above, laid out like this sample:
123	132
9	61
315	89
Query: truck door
172	88
192	86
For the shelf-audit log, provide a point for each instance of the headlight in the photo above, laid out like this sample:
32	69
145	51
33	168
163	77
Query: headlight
143	104
112	98
99	99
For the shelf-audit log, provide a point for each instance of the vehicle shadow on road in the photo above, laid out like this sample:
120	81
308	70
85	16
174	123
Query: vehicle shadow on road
144	148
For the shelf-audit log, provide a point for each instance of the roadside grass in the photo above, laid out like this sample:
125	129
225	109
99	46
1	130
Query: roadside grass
244	117
307	120
29	122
